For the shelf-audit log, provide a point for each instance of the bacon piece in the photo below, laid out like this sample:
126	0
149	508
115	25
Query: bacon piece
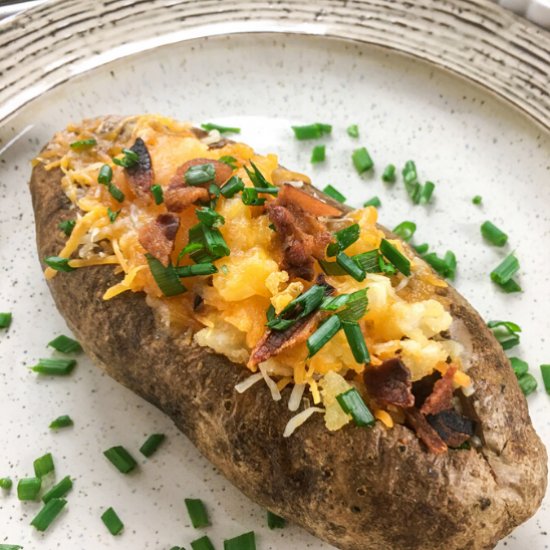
417	421
452	427
158	237
223	172
441	397
141	175
390	383
177	198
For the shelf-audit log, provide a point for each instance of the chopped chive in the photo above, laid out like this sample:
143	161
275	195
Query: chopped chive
505	270
368	261
204	543
258	180
166	277
196	270
519	366
54	367
105	175
49	512
374	201
506	333
5	319
83	144
356	342
311	131
250	197
545	372
58	263
298	308
389	174
233	186
352	403
197	512
510	286
151	445
274	521
130	158
212	241
527	383
318	154
10	547
229	160
121	459
209	217
64	344
158	194
399	260
493	234
174	548
246	541
323	334
111	520
6	483
426	192
405	230
200	174
28	488
446	266
59	490
421	248
63	421
344	238
221	129
333	193
355	307
67	226
353	131
477	199
115	192
350	267
362	160
43	465
113	215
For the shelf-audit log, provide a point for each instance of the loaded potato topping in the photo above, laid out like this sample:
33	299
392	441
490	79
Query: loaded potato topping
240	252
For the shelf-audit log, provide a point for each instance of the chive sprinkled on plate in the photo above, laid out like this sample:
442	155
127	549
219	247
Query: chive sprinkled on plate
274	521
28	488
200	174
197	512
233	186
54	367
59	490
493	234
59	264
204	543
421	248
353	131
352	403
5	319
373	201
63	421
43	465
519	366
111	520
362	160
67	226
311	131
49	512
318	154
405	230
478	199
10	547
399	260
323	334
64	344
504	272
527	383
446	266
545	372
208	126
246	541
506	332
426	192
333	193
388	175
158	194
166	277
121	459
82	144
6	483
152	443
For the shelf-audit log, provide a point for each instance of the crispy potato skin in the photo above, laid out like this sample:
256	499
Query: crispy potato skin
359	489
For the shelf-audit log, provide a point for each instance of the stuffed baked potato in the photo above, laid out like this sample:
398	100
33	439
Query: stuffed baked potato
308	353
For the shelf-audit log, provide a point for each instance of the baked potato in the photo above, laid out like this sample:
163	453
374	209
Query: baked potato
393	424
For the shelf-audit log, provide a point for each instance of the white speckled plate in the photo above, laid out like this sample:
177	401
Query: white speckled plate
462	138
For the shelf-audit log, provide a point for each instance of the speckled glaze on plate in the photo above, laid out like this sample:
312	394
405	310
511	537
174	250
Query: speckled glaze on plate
461	137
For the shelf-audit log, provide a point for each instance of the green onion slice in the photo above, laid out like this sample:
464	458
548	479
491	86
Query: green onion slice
5	319
105	175
426	192
405	230
166	277
67	226
59	490
477	199
344	238
323	334
246	541
274	521
28	488
356	341
362	160
54	367
510	286
47	515
505	270
355	307
204	543
10	547
130	158
200	174
6	483
158	193
64	344
299	308
311	131
197	512
58	263
121	459
209	217
256	177
493	234
115	192
421	248
389	174
111	520
151	444
519	366
250	197
318	154
233	186
374	201
399	260
352	403
545	372
229	160
506	332
353	131
446	266
333	193
212	241
196	270
350	267
112	215
63	421
83	144
43	465
221	129
527	383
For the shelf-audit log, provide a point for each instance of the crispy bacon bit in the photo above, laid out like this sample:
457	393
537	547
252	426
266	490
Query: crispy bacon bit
390	384
303	236
141	175
223	172
423	388
158	236
220	143
199	133
442	395
452	427
417	421
177	198
307	202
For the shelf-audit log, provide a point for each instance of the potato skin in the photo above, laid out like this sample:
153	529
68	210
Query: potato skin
359	489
